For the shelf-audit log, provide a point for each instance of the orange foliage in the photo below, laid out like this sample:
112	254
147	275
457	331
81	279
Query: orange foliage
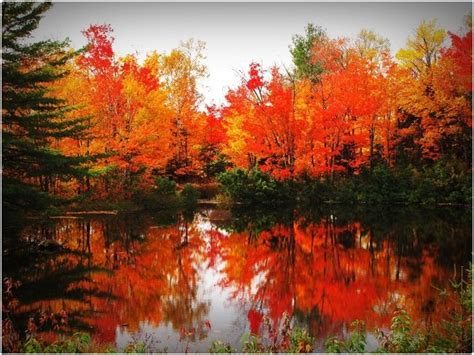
146	120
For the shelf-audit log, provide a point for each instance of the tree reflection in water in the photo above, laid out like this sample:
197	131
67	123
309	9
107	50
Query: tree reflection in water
128	275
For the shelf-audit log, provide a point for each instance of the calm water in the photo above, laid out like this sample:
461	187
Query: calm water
179	282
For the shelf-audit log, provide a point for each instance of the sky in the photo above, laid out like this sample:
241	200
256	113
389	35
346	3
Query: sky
237	34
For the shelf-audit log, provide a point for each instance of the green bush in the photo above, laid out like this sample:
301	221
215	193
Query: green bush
356	342
300	341
208	191
258	188
403	338
220	347
77	343
165	186
444	182
189	197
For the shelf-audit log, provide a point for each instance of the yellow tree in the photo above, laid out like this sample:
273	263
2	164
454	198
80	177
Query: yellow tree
180	72
423	49
435	114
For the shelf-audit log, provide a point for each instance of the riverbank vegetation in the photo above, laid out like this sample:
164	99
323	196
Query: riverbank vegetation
347	122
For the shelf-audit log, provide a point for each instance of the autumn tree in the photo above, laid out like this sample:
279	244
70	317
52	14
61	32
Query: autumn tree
424	48
261	123
210	151
297	123
435	111
179	72
374	51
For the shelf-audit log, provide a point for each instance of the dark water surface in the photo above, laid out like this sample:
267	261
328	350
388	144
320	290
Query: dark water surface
178	282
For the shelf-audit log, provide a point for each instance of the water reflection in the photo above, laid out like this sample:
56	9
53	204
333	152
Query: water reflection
180	282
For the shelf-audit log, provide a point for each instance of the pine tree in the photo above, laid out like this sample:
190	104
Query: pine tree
32	118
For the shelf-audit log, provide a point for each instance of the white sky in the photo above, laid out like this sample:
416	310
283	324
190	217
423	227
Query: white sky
239	33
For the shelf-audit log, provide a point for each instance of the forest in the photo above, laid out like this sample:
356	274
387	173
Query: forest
347	121
88	134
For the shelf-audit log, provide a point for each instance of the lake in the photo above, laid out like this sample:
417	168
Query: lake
179	281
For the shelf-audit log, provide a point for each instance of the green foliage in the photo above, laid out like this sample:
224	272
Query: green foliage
189	196
220	347
32	346
300	341
257	188
31	117
77	343
161	197
135	348
301	52
356	342
209	190
334	345
445	182
293	341
251	344
403	338
455	334
165	186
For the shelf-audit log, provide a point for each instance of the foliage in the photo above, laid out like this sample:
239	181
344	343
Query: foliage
256	188
189	196
348	119
135	347
32	117
165	186
77	343
455	334
400	122
208	191
300	341
301	52
220	347
403	338
294	340
10	335
214	162
356	342
251	344
423	50
445	182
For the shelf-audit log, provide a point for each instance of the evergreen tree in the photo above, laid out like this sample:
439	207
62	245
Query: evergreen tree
32	118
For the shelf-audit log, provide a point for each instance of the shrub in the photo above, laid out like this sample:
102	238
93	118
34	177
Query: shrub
356	342
402	339
300	341
189	200
257	187
165	186
77	343
208	191
220	347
